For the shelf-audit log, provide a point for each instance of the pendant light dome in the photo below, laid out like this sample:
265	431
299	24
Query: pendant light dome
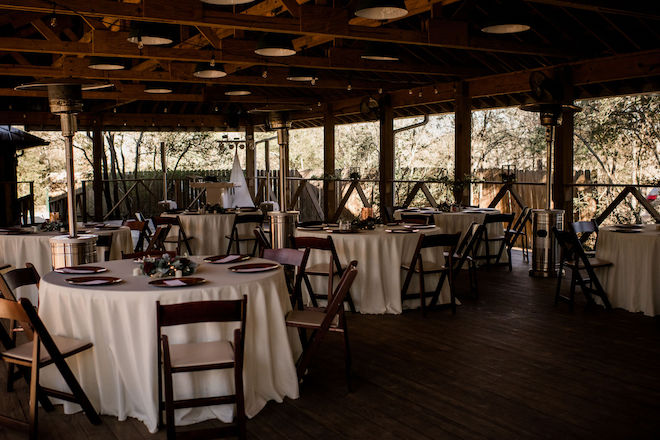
275	45
149	34
102	63
158	89
381	10
301	75
209	71
237	91
379	52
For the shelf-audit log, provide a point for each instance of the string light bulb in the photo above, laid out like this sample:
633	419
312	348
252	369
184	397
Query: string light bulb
212	63
349	87
264	74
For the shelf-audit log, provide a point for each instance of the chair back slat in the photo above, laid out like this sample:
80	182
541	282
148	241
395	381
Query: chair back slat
290	257
21	277
439	240
324	244
13	310
339	295
584	227
172	221
499	218
201	311
417	219
158	239
262	240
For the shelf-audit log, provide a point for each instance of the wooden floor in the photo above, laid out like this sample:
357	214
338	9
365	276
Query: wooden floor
509	365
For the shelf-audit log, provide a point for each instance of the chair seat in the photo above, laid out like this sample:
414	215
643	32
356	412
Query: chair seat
201	353
595	262
309	318
428	267
67	346
318	269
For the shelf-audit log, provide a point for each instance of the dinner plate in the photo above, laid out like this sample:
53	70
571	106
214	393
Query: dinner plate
628	231
93	281
629	226
401	231
81	269
254	267
225	259
177	282
94	225
310	228
419	226
108	228
342	231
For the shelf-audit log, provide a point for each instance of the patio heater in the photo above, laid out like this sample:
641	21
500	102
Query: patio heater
545	252
65	99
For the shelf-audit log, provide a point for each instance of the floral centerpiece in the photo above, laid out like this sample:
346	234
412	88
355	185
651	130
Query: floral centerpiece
49	226
167	266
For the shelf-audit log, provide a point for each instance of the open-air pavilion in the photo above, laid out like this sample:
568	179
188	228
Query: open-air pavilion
509	361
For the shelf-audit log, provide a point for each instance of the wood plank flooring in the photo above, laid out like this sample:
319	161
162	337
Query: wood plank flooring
509	365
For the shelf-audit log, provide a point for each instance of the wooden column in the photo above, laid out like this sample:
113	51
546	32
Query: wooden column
386	184
562	193
463	140
9	215
97	182
250	159
329	186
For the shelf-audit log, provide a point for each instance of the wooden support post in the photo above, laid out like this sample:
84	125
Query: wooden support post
250	159
562	194
97	183
329	186
463	141
386	185
9	212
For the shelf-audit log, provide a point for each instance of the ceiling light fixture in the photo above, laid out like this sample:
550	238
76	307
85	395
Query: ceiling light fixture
301	75
157	89
505	28
209	71
237	91
275	45
148	34
379	52
101	63
381	10
507	21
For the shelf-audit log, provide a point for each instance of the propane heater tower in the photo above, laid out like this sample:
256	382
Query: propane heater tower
550	105
65	99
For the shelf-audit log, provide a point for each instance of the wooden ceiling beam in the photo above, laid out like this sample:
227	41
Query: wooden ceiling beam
183	73
114	44
313	20
608	7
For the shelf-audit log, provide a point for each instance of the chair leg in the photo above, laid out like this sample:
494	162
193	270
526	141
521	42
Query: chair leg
422	290
312	295
347	359
473	269
508	252
351	304
33	422
559	278
241	419
77	391
572	289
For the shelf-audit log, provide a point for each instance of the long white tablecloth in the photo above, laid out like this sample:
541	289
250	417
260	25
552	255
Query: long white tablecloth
35	248
377	287
209	232
119	374
633	281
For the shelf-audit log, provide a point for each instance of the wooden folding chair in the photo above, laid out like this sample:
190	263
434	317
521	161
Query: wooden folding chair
235	238
576	260
330	269
201	356
141	228
42	350
416	219
10	281
417	266
464	255
157	242
104	246
294	262
519	230
181	236
331	319
262	240
484	238
140	217
135	255
584	229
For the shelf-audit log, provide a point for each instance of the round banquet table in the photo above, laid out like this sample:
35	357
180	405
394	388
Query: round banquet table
453	222
209	232
119	374
34	247
377	287
633	281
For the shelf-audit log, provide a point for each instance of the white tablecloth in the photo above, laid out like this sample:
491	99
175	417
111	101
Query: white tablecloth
633	281
209	232
377	287
119	374
35	248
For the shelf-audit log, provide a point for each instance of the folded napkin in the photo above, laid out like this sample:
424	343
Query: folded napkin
253	269
74	271
174	282
91	282
227	259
